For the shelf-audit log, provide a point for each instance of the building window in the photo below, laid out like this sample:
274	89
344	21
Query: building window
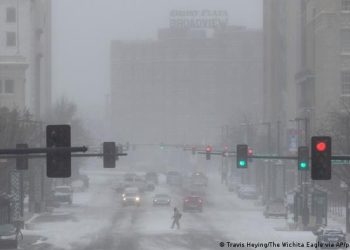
345	39
9	86
345	79
345	5
10	38
11	15
346	89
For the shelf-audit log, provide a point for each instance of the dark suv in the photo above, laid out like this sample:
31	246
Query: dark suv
193	203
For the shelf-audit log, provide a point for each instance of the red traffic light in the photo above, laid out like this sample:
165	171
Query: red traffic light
321	146
208	149
250	151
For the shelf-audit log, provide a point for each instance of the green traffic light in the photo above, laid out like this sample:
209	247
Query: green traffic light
242	163
303	165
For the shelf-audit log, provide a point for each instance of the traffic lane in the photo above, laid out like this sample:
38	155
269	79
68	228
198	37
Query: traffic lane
147	227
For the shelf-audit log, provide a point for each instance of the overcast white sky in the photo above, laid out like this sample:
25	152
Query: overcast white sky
82	31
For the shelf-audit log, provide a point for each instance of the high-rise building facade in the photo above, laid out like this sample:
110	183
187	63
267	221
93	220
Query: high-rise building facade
183	87
324	82
25	55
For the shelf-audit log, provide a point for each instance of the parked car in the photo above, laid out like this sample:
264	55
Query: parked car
161	199
275	208
152	177
63	194
131	198
330	238
8	236
248	192
193	203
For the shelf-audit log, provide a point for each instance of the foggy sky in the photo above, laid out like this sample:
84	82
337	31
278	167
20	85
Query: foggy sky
82	31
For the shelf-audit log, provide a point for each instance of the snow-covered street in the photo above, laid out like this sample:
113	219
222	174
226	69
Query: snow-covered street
98	221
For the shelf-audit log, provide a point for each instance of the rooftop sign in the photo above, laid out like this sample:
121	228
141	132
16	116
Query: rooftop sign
198	18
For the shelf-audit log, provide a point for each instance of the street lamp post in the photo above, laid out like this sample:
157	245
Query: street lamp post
303	176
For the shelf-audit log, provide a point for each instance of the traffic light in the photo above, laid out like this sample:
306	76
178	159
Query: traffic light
58	163
109	154
242	156
250	153
22	161
303	158
208	150
321	157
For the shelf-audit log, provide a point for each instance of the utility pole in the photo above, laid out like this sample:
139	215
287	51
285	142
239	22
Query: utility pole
306	212
304	175
347	215
268	183
279	153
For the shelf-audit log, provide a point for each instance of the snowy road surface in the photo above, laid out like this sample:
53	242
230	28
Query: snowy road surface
97	221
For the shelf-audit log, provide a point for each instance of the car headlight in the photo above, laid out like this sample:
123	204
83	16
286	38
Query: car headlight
124	199
154	200
137	198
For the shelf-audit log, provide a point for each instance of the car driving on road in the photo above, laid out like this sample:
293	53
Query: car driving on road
131	198
191	203
161	199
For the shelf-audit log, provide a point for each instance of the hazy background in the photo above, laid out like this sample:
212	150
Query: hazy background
82	31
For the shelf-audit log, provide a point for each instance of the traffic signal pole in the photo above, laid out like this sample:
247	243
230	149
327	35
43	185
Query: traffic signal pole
22	151
268	183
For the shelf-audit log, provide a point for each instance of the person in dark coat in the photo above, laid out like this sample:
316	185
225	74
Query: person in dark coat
176	218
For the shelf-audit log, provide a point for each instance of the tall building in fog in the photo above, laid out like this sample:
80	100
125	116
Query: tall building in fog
25	54
183	87
324	80
306	60
282	60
